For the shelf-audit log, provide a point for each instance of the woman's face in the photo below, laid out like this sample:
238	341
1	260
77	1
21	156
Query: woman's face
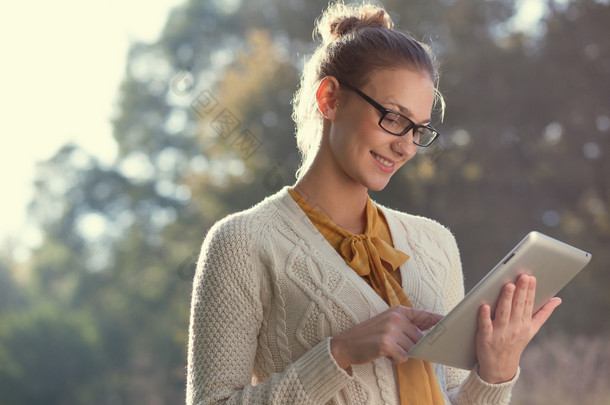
361	149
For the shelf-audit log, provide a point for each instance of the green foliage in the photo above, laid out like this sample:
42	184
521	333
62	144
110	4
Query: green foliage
10	295
48	357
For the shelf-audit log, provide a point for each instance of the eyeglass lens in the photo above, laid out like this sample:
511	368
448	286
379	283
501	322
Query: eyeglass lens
396	124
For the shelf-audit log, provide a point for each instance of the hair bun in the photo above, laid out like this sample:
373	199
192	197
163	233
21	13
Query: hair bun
339	20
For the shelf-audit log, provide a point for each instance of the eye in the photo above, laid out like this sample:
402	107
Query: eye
393	120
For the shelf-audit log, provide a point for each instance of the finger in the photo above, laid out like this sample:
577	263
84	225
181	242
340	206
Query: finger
425	320
412	333
503	308
519	298
399	354
401	327
422	319
544	313
397	343
485	324
394	346
529	303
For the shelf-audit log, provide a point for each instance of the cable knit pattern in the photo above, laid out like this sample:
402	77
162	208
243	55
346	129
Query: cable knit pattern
270	291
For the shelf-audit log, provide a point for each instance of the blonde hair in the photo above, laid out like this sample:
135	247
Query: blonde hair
356	40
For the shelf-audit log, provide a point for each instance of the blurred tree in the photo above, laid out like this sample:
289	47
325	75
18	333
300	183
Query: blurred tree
48	357
570	146
11	297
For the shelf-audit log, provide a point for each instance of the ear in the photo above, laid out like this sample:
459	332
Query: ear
327	96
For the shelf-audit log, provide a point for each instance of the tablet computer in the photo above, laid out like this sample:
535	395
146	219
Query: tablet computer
452	340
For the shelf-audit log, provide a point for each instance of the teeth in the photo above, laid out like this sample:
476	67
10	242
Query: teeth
382	160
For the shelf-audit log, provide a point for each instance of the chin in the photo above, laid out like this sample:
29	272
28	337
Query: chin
377	188
377	185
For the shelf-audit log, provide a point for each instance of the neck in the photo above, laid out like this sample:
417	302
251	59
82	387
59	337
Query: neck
329	190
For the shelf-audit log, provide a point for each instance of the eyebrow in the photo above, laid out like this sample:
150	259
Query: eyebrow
408	113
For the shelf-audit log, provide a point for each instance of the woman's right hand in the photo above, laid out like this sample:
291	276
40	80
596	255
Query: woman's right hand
391	334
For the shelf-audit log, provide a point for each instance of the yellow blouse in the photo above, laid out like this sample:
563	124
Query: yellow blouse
365	253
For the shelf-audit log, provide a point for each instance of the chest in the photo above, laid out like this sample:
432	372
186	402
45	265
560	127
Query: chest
309	296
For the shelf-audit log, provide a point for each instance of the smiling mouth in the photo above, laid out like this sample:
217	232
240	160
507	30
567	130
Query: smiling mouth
381	160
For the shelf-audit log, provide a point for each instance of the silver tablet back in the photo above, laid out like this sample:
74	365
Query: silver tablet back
554	263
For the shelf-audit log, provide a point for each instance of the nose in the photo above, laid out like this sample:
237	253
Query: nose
404	146
399	147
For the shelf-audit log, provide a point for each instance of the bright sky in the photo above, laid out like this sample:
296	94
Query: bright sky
63	64
64	61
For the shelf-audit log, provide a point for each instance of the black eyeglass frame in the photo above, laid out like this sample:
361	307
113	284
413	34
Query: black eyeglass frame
385	111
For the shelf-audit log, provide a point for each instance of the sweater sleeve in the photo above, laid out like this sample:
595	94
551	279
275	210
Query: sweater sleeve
464	387
226	315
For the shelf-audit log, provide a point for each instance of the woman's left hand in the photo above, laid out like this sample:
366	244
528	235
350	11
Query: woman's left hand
501	341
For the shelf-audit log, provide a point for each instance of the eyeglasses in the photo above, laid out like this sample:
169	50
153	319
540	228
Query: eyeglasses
397	124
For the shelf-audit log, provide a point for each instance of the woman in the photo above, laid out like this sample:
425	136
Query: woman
316	294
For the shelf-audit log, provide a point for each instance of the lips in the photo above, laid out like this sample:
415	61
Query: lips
384	164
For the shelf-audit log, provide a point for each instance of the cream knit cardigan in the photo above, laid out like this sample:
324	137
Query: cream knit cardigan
270	291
